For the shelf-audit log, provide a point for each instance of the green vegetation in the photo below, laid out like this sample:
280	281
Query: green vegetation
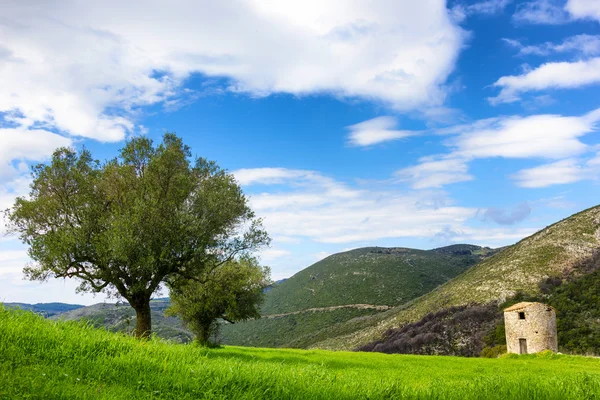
231	292
42	359
577	311
553	251
369	275
150	216
455	331
122	318
373	275
296	330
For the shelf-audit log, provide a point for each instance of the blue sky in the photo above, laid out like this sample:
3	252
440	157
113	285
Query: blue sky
348	124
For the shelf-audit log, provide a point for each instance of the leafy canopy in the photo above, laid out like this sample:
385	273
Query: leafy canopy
232	292
128	224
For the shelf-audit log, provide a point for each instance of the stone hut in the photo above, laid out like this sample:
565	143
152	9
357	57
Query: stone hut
530	328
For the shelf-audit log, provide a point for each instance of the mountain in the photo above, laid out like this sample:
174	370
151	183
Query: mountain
564	248
121	318
346	286
46	309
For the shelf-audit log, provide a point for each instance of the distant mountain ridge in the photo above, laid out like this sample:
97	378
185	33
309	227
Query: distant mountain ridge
348	285
46	309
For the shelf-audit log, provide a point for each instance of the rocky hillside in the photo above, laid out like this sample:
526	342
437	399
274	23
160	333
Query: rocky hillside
553	251
349	285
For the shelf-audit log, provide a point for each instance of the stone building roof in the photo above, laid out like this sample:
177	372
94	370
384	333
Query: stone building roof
524	304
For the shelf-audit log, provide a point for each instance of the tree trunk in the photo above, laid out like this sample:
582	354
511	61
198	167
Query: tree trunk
143	327
203	335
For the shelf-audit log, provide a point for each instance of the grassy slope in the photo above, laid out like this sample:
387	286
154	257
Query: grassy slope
516	268
122	318
371	275
42	359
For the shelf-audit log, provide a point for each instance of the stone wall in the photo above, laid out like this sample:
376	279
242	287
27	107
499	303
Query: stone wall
538	328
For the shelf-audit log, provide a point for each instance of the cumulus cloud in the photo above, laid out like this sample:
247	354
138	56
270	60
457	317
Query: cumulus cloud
587	45
87	68
584	9
552	75
25	145
376	130
505	216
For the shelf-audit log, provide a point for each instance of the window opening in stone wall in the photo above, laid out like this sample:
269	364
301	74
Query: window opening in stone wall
521	315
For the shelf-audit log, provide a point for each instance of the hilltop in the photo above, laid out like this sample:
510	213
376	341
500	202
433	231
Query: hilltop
346	286
558	250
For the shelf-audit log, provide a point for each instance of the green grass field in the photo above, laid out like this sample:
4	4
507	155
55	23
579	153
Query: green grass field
41	359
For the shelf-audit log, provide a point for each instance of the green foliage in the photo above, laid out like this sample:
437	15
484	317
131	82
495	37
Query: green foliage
493	352
41	359
294	330
578	314
371	275
127	225
233	291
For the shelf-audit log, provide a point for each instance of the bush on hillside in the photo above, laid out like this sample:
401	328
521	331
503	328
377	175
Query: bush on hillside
455	331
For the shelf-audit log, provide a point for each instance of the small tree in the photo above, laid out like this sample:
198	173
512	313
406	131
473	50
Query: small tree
125	226
231	292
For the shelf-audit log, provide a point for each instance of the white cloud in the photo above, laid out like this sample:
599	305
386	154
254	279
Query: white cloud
487	7
87	68
269	255
552	75
535	136
541	12
435	173
25	145
560	172
251	176
556	12
584	9
545	135
587	45
376	130
334	212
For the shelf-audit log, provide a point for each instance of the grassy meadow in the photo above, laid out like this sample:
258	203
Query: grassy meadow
42	359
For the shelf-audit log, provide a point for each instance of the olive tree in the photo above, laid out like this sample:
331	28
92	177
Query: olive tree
128	224
231	292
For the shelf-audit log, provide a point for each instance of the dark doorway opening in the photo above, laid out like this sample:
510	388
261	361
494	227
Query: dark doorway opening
521	315
522	346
